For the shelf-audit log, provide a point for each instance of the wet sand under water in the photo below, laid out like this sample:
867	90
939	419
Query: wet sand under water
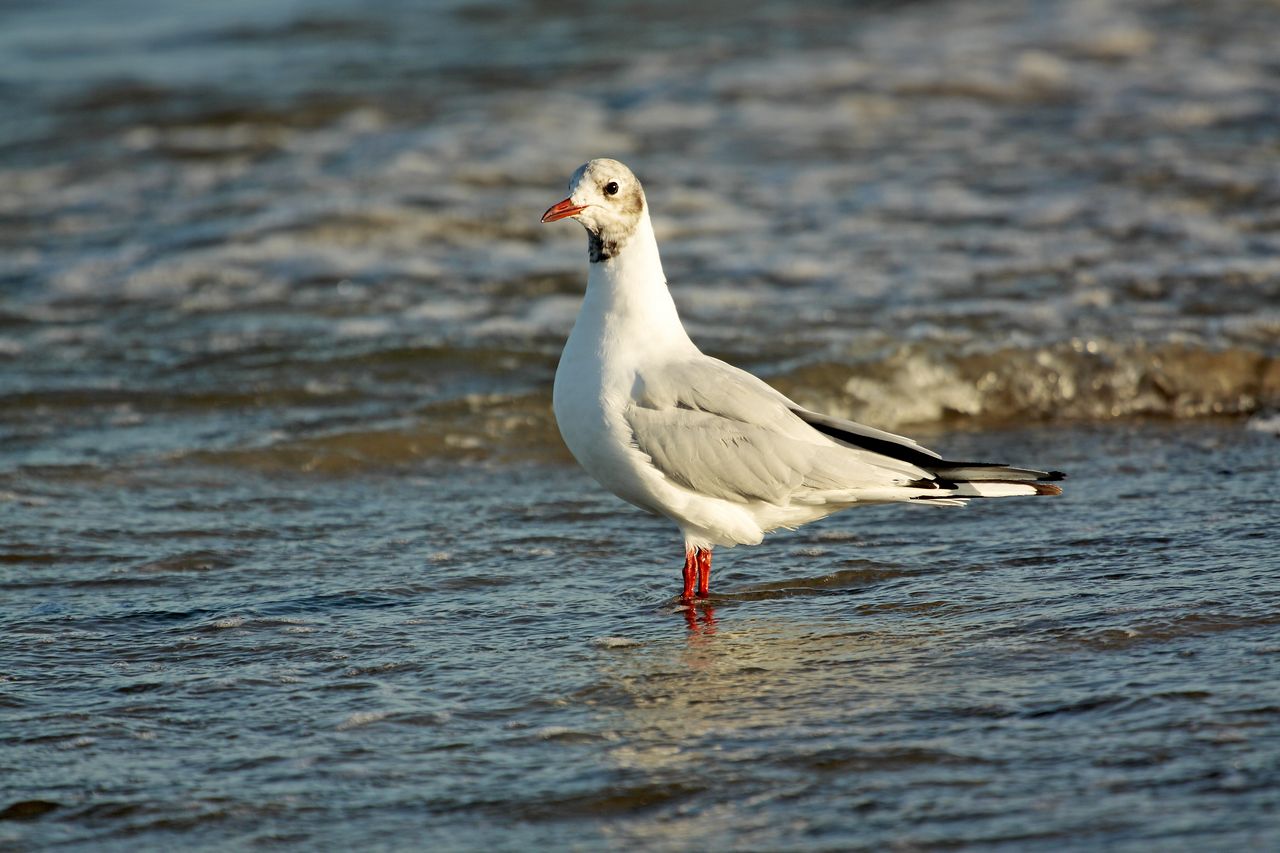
468	656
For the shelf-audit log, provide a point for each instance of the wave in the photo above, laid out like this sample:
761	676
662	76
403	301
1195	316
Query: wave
912	387
1075	381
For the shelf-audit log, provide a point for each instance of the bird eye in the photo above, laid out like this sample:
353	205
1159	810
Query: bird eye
611	188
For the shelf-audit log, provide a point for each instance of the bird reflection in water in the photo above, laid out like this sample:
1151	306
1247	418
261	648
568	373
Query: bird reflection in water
700	619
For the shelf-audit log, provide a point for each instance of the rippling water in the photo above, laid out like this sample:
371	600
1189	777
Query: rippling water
291	553
484	656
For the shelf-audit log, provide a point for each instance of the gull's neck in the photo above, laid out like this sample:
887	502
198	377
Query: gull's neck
627	299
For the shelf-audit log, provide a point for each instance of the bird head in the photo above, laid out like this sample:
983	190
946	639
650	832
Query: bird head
607	200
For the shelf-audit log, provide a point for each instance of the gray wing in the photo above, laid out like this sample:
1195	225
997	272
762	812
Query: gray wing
722	432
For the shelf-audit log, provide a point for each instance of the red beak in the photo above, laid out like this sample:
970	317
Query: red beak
562	209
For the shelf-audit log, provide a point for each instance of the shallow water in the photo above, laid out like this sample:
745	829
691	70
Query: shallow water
489	656
290	550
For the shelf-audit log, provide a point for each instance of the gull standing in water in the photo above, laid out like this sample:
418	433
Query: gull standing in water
711	447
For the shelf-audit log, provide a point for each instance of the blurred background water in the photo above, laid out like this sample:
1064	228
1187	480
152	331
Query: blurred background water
291	552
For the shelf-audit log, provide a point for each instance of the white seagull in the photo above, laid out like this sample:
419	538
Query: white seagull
711	447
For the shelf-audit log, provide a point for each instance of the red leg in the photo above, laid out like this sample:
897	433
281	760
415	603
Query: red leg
704	572
690	574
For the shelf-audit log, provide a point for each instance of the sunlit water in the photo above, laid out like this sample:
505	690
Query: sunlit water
479	656
291	553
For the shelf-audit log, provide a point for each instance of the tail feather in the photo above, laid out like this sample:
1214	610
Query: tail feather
1000	489
950	484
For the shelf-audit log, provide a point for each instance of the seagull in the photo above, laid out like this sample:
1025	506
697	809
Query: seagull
713	448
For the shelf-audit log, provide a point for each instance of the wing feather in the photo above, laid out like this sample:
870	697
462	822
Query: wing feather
722	432
717	456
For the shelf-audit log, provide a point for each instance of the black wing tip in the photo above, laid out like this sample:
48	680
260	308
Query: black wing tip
1044	476
908	453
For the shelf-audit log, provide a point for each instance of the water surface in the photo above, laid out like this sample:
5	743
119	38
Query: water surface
291	553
